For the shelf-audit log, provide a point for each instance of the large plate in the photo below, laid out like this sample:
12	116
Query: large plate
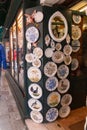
64	111
76	32
76	18
50	69
34	74
74	64
51	83
66	100
52	114
35	91
38	52
53	99
62	71
58	57
63	86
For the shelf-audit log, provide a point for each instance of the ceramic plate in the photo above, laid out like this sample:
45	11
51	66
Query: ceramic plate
32	34
68	39
76	18
63	86
47	40
75	45
34	74
67	60
38	52
76	32
58	46
58	57
64	111
38	17
29	57
50	69
34	104
63	71
36	62
35	91
36	116
67	49
52	114
66	100
49	52
29	45
74	64
51	83
52	44
53	99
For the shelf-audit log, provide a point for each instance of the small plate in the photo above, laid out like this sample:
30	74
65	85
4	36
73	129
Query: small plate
51	83
29	45
67	60
66	100
76	18
38	17
75	45
74	64
29	57
58	46
38	52
36	63
53	99
58	57
50	69
76	32
67	49
47	40
64	111
68	39
36	116
34	104
52	114
49	52
35	91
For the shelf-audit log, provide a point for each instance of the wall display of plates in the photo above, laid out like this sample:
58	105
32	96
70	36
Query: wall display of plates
32	34
76	32
38	17
29	57
52	114
36	116
67	60
63	86
34	74
63	71
49	52
74	64
36	62
75	45
67	50
76	18
53	99
34	104
35	91
51	83
66	100
38	52
64	111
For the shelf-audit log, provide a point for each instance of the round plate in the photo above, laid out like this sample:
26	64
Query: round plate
67	60
66	100
35	91
75	45
38	52
63	71
36	116
29	57
76	32
53	99
51	83
63	86
34	104
36	62
34	74
74	64
50	69
67	49
76	18
64	111
58	46
49	52
32	34
38	17
52	114
58	57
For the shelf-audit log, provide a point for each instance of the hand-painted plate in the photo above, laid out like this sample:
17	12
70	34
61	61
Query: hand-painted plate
74	64
76	18
67	60
34	104
76	32
32	34
50	69
64	111
29	57
66	100
38	17
47	40
62	71
52	114
29	45
48	52
36	116
51	83
53	99
58	46
36	62
67	49
75	45
63	86
68	39
58	57
38	52
34	74
35	91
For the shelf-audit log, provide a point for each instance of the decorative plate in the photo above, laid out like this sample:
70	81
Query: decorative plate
58	46
34	74
74	64
76	18
75	45
51	83
58	57
35	91
63	86
38	52
67	49
34	104
47	40
66	100
52	114
67	60
32	34
50	69
62	71
29	57
36	62
49	52
76	32
36	116
64	111
68	38
52	44
38	17
29	45
53	99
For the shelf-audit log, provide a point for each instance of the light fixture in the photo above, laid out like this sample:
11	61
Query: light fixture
84	8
